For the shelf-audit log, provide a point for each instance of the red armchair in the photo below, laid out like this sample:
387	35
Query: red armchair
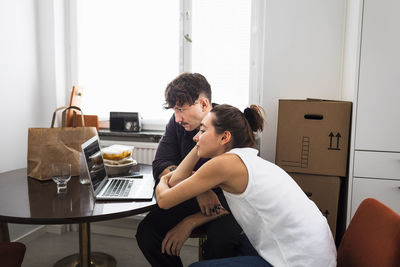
372	238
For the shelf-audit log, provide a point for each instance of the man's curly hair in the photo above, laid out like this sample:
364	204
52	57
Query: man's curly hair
186	89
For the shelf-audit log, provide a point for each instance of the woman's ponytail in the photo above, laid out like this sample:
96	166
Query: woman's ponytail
255	118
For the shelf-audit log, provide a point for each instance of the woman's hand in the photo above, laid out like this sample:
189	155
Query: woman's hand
209	203
166	178
176	237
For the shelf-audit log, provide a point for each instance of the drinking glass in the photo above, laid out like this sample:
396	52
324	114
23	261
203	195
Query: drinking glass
61	174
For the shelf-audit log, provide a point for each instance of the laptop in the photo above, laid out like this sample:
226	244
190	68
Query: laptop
134	187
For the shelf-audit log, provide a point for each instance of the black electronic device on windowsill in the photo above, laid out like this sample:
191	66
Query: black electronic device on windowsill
125	122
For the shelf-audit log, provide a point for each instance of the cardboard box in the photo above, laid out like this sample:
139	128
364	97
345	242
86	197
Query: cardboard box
325	192
313	136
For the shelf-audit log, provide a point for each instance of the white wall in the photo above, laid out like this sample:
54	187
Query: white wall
51	32
32	78
32	72
351	51
21	97
19	80
302	56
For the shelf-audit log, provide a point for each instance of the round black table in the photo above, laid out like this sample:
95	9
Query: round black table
25	200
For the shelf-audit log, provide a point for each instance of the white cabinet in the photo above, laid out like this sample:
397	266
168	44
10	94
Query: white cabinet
386	191
372	164
376	161
378	106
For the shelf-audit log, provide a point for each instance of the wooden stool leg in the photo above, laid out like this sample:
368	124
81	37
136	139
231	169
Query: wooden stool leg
202	239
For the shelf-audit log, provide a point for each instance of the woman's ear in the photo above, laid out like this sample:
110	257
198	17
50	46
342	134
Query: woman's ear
226	137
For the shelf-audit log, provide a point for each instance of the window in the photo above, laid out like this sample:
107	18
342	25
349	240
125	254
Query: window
128	51
221	48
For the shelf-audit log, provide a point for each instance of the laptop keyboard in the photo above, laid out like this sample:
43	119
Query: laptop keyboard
118	188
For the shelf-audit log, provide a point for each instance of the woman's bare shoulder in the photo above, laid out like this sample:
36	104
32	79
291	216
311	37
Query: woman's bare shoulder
226	163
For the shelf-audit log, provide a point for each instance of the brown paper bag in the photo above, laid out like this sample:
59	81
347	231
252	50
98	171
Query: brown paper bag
50	145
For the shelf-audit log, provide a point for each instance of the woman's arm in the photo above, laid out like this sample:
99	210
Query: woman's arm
213	173
185	168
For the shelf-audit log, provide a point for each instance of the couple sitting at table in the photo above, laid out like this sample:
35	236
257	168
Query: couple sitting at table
281	226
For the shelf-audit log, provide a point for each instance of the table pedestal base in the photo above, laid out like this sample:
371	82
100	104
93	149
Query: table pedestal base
98	259
4	234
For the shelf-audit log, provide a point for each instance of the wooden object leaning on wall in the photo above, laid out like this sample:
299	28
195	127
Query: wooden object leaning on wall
76	99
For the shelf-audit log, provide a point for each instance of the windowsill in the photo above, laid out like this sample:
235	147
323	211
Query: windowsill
144	136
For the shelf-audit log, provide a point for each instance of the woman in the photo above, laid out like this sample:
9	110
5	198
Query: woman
282	224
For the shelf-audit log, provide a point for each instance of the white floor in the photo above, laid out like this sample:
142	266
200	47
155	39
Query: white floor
48	248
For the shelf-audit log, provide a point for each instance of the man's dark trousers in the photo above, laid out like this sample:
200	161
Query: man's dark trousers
223	234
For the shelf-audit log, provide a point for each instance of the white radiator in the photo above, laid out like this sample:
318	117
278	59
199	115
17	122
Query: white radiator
144	152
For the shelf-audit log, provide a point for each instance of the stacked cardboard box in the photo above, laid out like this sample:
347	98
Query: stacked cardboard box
313	147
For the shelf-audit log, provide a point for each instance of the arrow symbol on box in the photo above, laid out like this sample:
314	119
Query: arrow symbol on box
330	140
331	135
337	138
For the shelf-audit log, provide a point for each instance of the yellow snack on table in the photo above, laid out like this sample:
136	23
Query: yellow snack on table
117	152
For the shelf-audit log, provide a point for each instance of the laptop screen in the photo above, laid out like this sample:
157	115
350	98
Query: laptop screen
95	164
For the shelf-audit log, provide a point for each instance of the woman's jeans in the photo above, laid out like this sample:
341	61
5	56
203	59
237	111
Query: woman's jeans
248	256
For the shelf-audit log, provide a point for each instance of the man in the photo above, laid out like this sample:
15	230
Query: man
162	233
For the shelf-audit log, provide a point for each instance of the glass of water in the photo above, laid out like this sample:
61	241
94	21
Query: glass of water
61	174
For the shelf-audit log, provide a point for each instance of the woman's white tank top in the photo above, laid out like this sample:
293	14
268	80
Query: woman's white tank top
283	225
